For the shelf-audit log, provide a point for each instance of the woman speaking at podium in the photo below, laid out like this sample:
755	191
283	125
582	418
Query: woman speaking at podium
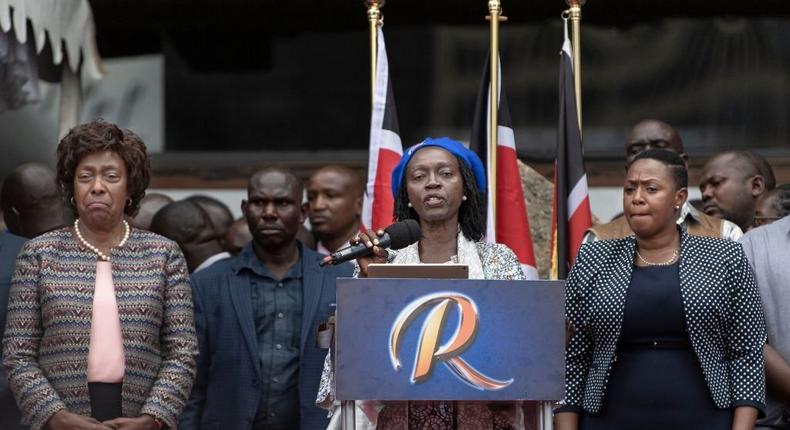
668	328
439	183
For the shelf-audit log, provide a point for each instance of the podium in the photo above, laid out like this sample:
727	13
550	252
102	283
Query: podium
454	340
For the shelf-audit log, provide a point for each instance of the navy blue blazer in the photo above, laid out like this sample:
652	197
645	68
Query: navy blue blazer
226	394
10	245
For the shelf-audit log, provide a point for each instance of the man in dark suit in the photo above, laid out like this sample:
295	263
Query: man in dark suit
256	317
31	205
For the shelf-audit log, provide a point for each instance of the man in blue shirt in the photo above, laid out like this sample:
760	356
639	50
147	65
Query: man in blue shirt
256	317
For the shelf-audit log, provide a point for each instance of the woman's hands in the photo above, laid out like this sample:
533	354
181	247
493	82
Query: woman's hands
65	420
143	422
371	240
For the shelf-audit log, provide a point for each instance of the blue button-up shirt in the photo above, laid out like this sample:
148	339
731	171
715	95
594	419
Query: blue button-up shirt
277	309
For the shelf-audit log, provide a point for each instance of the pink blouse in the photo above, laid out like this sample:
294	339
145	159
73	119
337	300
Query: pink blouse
106	356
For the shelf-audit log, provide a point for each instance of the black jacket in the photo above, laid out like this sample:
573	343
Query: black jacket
722	308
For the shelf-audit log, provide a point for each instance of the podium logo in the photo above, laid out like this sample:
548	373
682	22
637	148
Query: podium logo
429	352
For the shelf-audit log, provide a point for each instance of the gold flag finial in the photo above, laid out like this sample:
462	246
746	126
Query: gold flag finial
574	13
374	10
374	21
495	8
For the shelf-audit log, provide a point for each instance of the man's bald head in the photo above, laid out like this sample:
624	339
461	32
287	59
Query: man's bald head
183	222
31	201
277	174
149	206
748	164
653	134
186	223
220	215
732	183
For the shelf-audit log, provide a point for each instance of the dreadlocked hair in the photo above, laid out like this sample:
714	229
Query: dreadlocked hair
471	214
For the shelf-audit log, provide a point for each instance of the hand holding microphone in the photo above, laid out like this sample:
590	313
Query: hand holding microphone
370	247
378	254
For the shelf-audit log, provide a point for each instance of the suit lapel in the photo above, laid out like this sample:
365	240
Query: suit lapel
241	298
312	286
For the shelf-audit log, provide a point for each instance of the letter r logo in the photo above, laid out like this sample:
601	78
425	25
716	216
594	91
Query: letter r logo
428	349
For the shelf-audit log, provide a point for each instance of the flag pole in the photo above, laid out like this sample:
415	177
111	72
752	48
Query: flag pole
348	408
575	13
494	17
374	20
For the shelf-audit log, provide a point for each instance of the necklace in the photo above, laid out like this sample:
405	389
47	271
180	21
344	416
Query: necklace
665	263
102	256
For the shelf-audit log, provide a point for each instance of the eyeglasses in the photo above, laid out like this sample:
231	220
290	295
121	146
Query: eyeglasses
763	220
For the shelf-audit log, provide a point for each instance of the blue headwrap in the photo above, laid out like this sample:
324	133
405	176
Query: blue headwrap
453	147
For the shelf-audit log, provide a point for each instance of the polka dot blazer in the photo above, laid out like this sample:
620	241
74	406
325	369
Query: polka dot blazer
723	312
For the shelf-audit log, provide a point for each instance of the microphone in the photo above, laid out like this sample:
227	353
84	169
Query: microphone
397	236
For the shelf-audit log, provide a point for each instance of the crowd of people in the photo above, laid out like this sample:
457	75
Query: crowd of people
129	310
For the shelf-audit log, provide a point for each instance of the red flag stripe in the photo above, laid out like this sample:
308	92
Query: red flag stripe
383	203
578	224
511	214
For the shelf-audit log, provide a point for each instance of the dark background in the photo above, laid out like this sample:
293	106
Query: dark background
292	76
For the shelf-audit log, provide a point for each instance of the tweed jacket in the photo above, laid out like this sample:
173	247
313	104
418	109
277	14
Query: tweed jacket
47	337
723	317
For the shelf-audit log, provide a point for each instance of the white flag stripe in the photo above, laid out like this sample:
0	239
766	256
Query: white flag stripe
566	46
577	195
506	137
391	141
490	184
